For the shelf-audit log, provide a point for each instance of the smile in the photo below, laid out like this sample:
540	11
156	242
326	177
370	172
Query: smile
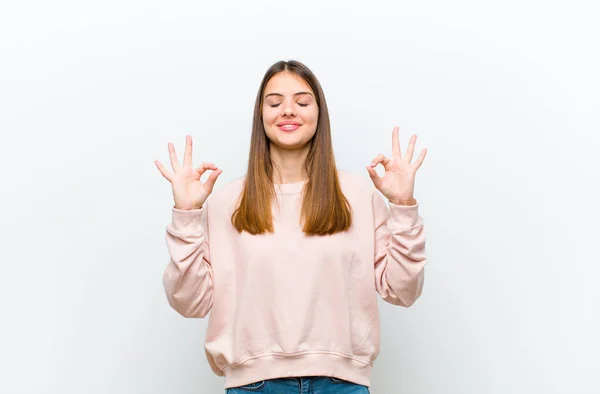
289	127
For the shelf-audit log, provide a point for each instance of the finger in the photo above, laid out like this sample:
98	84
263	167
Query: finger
206	166
411	148
421	158
163	170
396	142
380	158
212	178
173	158
374	176
187	158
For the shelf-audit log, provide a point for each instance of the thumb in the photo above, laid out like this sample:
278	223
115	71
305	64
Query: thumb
212	178
374	176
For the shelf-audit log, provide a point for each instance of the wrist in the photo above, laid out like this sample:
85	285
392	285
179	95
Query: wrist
409	202
186	208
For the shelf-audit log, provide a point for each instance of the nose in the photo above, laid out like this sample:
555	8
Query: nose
288	109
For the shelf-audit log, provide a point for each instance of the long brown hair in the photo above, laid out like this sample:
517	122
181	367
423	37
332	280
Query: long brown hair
325	209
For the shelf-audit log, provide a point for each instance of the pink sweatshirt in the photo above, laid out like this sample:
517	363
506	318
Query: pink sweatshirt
284	304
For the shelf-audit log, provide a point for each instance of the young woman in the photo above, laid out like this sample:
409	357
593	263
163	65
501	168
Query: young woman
288	259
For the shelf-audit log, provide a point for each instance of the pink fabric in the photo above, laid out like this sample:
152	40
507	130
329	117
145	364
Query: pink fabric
286	304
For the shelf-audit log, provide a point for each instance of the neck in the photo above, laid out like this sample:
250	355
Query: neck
288	165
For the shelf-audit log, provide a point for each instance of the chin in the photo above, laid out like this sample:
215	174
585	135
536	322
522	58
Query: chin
290	145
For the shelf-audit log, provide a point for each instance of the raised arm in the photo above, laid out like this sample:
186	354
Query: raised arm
400	255
399	234
188	278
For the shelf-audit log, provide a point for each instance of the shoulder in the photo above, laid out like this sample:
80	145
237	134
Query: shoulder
231	187
226	194
360	191
354	183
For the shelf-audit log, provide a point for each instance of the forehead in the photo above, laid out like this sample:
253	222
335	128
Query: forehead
286	84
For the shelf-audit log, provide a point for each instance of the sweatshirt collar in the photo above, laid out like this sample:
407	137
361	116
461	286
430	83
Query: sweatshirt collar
290	188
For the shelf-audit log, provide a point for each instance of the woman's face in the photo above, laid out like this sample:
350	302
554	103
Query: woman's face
287	98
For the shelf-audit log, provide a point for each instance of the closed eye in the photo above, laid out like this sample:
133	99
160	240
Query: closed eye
277	105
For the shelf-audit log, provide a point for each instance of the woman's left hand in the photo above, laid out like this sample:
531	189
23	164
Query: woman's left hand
398	182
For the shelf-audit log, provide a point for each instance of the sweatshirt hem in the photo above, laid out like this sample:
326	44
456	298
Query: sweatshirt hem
310	363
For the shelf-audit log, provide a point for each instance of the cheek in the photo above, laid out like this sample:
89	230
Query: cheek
312	115
268	117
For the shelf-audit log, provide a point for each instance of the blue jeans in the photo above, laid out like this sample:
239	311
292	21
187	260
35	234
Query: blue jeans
301	385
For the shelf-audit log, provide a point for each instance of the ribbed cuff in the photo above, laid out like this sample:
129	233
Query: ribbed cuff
186	220
404	216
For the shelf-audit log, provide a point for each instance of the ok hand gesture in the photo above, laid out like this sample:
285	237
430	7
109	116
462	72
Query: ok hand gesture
188	192
398	182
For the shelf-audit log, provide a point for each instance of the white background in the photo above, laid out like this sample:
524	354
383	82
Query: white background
505	95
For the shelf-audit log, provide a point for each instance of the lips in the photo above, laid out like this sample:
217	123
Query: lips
289	126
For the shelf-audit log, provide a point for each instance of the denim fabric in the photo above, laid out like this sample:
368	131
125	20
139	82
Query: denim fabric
301	385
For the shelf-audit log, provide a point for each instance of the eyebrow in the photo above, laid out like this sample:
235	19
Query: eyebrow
279	94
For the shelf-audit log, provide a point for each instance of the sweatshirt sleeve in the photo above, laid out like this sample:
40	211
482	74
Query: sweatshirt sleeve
399	252
188	277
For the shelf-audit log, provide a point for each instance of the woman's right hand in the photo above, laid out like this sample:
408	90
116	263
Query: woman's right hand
188	192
